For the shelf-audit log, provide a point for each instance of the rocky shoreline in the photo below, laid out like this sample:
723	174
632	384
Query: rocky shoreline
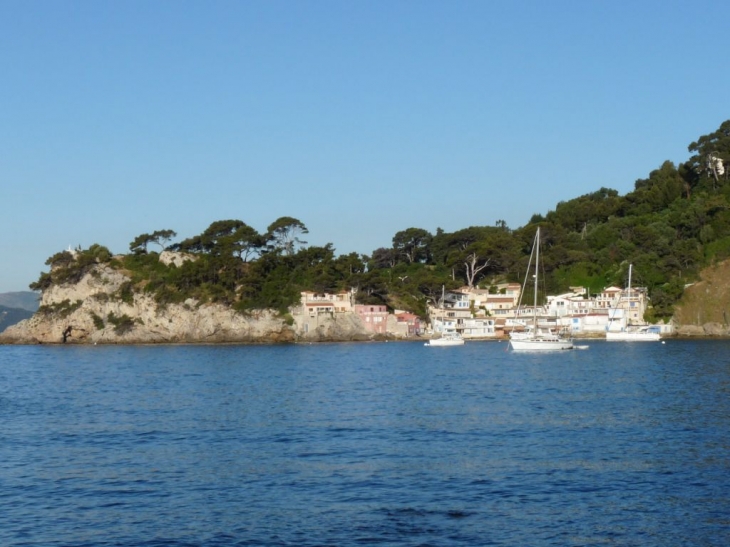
92	312
266	329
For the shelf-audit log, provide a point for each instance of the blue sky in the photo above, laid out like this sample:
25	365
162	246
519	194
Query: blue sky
360	119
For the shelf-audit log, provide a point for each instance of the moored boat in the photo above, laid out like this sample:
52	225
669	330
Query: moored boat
631	333
448	338
535	339
634	334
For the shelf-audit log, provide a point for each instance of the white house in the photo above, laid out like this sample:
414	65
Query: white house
315	302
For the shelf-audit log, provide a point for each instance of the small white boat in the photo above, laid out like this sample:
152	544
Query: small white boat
448	338
634	334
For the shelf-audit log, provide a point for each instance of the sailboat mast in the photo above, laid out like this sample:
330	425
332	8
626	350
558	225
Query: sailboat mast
628	311
630	266
537	262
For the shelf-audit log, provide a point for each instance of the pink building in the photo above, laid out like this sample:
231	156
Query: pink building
375	317
408	323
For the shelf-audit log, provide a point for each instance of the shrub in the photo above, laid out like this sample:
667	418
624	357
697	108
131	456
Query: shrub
126	293
121	324
62	309
98	321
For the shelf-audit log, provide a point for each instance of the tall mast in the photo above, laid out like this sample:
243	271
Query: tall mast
630	266
537	262
628	311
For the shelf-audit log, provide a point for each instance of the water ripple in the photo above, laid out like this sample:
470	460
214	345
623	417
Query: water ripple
365	444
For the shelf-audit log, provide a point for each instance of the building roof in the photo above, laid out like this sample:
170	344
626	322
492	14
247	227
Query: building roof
406	315
500	298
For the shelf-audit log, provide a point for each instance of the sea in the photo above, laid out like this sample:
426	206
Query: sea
382	443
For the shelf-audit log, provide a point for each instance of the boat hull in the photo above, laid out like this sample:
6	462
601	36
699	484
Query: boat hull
438	342
633	337
541	344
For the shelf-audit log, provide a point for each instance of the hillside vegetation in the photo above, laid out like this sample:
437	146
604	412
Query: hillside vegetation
674	223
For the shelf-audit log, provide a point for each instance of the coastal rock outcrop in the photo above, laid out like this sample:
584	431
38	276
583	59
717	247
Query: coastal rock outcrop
711	329
97	310
704	309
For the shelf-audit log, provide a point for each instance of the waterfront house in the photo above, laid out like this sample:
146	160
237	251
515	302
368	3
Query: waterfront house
407	324
374	317
316	303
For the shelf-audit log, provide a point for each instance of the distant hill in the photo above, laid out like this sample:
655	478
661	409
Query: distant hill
11	316
24	300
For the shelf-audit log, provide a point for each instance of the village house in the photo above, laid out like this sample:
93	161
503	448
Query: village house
407	324
457	312
375	317
608	298
498	301
495	312
315	303
569	308
629	308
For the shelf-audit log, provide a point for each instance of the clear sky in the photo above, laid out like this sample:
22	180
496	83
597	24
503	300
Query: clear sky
360	119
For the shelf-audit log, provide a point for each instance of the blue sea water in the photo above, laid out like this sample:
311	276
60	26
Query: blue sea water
365	444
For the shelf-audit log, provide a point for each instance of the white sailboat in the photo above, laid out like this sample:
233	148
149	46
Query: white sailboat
631	333
537	339
449	337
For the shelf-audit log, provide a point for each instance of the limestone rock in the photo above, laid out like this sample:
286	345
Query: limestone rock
689	330
92	311
712	329
170	257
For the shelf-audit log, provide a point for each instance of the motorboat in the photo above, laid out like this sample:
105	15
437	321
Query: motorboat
645	333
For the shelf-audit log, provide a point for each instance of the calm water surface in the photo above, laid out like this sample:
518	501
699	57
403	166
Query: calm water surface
365	444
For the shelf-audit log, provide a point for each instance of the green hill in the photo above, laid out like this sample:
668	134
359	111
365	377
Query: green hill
675	223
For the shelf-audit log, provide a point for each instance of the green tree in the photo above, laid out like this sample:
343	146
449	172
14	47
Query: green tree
159	237
413	244
382	258
708	150
284	234
246	242
139	244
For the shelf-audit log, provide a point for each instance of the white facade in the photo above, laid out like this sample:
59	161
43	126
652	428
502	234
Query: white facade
479	313
326	302
458	313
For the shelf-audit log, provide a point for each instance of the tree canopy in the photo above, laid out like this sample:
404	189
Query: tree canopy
674	222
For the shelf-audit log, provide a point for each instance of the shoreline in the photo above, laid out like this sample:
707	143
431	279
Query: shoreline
379	339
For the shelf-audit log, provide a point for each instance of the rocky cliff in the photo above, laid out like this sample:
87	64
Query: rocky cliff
704	309
92	311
